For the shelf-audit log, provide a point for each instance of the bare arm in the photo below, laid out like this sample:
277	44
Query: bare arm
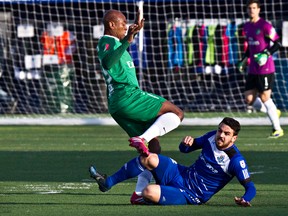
134	28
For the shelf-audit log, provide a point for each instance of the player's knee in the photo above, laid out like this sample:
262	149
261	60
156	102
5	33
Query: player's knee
147	193
150	162
151	193
167	106
248	101
154	146
181	114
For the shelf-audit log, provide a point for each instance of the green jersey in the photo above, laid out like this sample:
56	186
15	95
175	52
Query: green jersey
118	70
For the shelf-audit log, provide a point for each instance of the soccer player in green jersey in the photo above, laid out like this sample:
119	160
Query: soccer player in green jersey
144	116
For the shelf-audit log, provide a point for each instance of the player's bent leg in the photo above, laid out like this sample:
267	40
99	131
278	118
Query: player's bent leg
129	170
143	180
150	162
163	125
164	195
250	96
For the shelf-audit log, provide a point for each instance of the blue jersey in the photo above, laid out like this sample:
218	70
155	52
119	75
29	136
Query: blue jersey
213	170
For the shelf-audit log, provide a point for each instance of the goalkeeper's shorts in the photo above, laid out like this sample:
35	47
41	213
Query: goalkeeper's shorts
261	82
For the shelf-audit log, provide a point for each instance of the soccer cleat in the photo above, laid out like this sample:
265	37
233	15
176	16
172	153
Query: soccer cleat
100	179
276	134
137	200
139	144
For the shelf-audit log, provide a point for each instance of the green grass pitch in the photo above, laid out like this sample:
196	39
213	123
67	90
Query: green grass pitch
44	171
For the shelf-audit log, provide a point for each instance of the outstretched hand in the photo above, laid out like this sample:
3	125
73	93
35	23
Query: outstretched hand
135	28
138	21
242	202
188	141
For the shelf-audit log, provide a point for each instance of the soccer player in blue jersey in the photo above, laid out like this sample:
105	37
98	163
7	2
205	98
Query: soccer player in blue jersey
176	184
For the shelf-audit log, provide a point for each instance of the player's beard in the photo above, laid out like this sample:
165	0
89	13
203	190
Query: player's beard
220	142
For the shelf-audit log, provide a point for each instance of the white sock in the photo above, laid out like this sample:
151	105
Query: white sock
272	114
163	124
143	180
259	106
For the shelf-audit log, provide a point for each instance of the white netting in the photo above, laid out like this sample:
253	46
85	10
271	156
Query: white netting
49	62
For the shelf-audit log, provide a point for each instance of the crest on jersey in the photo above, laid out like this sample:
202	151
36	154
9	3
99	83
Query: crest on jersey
258	31
220	159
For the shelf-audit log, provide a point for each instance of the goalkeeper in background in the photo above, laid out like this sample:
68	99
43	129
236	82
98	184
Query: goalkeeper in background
144	116
261	72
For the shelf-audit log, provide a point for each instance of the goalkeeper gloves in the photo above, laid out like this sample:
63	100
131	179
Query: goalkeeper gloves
242	65
261	58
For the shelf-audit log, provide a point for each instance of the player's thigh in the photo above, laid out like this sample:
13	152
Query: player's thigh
250	95
265	82
265	95
171	196
250	83
168	172
164	195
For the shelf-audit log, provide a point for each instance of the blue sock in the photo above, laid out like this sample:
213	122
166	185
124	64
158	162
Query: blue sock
130	170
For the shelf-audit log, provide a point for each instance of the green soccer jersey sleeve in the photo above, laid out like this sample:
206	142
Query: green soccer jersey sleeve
116	63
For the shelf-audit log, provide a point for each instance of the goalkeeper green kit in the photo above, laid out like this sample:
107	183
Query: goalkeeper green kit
133	109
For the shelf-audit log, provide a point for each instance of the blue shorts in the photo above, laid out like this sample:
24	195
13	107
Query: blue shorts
168	174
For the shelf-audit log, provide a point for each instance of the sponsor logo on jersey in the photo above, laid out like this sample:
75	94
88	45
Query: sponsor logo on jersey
252	42
130	64
208	165
242	164
107	47
245	173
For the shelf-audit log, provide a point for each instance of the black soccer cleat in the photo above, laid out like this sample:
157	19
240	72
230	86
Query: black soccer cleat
100	179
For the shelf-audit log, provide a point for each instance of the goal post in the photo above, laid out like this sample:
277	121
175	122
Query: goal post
187	52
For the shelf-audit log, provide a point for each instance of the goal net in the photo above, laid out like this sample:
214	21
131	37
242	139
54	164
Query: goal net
189	49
